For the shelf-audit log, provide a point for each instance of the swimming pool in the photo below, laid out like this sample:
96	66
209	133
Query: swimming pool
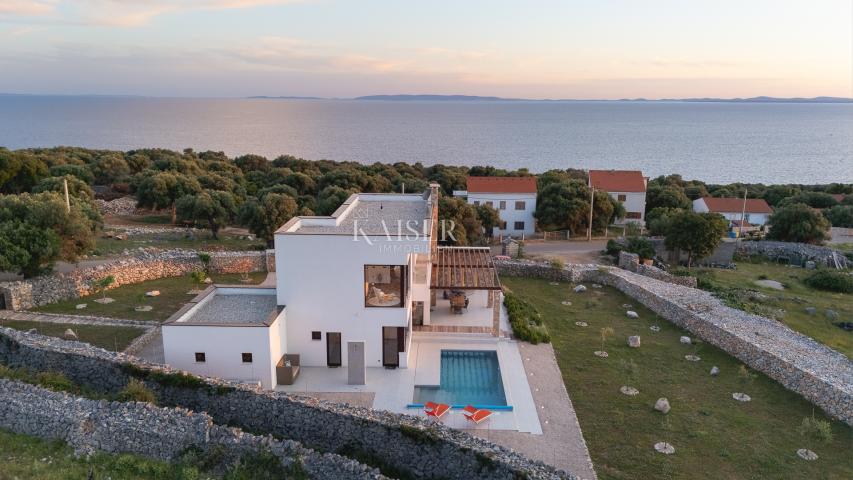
467	377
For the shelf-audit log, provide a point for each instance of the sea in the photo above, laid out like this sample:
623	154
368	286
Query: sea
714	142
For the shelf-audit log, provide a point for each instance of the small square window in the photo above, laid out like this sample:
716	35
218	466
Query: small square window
621	198
199	357
519	205
316	336
519	225
490	204
247	357
476	203
503	204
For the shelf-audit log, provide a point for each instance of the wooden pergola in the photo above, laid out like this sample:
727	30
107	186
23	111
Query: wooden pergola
464	268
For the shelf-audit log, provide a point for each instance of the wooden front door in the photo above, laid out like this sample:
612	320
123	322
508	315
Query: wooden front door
333	349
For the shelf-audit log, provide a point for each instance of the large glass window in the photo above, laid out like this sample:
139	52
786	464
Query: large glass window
384	285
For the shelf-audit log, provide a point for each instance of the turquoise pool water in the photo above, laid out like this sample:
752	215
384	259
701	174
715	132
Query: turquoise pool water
467	377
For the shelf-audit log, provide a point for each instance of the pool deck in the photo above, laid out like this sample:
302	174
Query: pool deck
393	389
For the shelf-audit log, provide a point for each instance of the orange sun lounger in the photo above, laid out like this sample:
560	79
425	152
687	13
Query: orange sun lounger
476	415
436	410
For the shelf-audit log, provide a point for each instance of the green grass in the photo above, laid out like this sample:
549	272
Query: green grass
202	241
173	295
714	435
24	457
107	337
788	306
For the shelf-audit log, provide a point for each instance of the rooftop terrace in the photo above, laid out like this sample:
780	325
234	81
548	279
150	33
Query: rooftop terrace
369	214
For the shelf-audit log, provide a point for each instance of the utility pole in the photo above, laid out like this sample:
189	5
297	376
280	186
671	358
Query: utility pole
591	207
742	215
67	198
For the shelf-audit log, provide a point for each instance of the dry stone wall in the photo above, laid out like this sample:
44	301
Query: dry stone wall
796	253
821	375
631	262
400	443
89	426
145	266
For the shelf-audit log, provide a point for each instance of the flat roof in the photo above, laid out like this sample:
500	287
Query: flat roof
224	306
370	214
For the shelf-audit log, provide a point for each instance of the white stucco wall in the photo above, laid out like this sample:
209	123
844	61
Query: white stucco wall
753	218
223	346
320	280
510	215
634	202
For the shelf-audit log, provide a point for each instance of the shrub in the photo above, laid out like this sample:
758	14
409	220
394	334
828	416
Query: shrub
557	263
819	429
830	281
525	320
613	248
136	391
641	247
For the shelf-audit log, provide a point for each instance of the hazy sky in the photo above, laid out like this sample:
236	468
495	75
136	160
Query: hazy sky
529	48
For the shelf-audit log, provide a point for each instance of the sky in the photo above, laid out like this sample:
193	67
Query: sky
594	49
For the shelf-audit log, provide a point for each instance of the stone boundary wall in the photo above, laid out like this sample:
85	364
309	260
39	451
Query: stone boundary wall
47	289
401	443
631	262
819	374
89	426
781	250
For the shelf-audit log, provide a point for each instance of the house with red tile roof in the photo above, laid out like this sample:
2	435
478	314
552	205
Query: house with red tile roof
625	186
754	210
513	197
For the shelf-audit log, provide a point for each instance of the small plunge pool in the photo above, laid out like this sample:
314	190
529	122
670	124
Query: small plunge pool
468	377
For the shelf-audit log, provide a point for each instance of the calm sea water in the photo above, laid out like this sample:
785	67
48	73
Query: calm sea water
715	142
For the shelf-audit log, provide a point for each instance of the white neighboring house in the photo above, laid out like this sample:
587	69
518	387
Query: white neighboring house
757	211
235	333
628	187
513	197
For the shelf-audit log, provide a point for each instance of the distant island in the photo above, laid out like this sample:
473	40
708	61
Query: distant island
478	98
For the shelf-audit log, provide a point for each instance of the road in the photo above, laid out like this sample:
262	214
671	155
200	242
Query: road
571	251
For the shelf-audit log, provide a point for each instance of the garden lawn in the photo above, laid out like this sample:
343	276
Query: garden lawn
714	435
107	337
202	241
792	301
173	295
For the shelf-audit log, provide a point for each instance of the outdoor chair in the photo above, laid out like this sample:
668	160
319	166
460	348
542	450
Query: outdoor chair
436	410
476	415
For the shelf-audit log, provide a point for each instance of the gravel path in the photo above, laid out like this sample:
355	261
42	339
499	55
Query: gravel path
561	443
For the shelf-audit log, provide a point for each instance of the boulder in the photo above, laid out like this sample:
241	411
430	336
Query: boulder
810	265
692	358
654	328
715	371
153	293
69	335
80	306
580	289
634	341
741	397
685	340
632	314
831	314
811	310
662	405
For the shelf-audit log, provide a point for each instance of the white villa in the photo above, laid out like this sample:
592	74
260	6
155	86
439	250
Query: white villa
513	197
755	211
365	301
625	186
